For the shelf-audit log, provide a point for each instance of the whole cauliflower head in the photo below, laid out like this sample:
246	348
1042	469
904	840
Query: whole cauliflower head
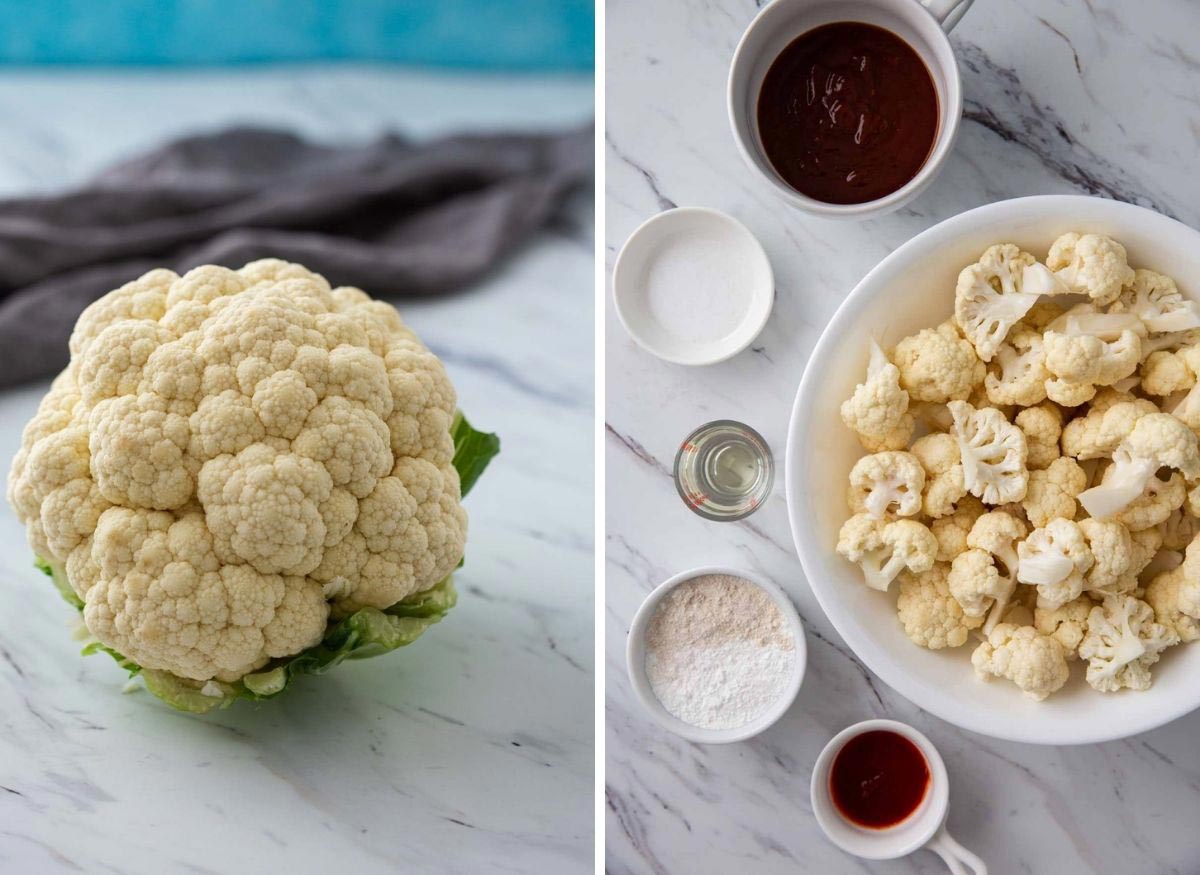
1036	663
1122	642
931	616
937	365
233	457
1090	264
993	452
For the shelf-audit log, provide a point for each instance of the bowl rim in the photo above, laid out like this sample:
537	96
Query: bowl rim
635	655
761	296
871	654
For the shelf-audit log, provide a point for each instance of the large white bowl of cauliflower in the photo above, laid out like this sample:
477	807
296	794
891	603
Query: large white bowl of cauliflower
1009	404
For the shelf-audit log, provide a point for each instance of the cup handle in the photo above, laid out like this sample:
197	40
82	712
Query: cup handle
955	855
947	12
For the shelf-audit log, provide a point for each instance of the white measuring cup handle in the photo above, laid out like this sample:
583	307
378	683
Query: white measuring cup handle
947	12
959	859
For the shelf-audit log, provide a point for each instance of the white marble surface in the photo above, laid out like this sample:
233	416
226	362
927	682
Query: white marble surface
469	752
1098	97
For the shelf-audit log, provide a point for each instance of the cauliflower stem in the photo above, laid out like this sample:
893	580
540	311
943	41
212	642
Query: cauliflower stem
365	633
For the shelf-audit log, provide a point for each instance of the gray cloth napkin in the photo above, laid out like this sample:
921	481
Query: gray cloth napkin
392	217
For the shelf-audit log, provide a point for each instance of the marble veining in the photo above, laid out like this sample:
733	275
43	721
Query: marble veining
1098	97
470	751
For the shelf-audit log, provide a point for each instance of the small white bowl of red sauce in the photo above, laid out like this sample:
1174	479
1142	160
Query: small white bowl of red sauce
847	109
880	791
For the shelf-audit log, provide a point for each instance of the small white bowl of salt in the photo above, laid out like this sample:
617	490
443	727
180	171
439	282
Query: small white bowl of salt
693	286
716	655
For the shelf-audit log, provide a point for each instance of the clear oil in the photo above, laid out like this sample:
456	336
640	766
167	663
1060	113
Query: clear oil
724	470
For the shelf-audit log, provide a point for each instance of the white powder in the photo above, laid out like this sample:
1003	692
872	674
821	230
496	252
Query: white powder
719	652
692	286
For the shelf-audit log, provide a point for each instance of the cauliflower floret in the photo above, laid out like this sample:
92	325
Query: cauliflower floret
1042	426
878	406
938	454
1018	372
976	583
937	365
1036	663
1074	359
1051	493
952	531
1158	440
1122	642
1175	598
1066	624
931	616
217	452
1067	394
1090	264
1097	434
984	576
990	299
896	439
993	453
1154	506
1165	373
1112	550
884	549
1055	558
1156	300
887	482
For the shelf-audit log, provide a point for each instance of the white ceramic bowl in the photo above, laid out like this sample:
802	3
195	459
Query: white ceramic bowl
635	658
744	283
922	25
924	828
913	288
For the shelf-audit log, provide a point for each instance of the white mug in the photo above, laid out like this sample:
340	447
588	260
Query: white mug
924	828
923	25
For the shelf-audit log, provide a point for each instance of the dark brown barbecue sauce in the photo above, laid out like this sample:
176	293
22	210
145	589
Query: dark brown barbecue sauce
848	113
878	779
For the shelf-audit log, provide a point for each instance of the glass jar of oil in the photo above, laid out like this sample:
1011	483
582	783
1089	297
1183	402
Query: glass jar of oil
724	470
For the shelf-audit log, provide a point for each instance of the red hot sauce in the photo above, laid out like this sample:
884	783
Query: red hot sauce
878	779
847	113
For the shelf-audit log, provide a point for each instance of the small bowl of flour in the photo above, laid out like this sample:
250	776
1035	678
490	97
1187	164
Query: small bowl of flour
716	655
